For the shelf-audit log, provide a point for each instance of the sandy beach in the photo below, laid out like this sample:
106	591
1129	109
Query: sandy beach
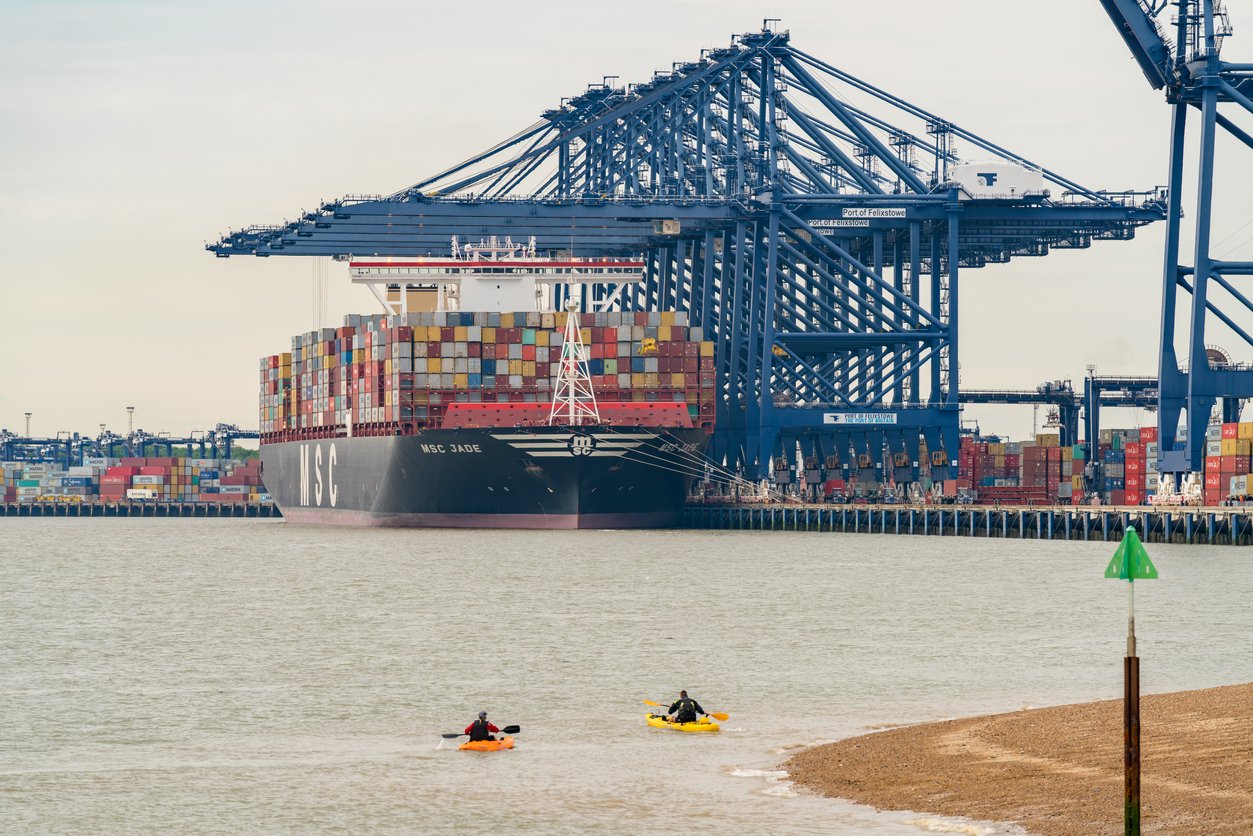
1058	770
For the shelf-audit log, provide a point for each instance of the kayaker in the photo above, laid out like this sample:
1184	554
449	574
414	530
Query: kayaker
481	729
685	709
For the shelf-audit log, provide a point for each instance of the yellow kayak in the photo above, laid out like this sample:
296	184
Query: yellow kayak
487	745
659	721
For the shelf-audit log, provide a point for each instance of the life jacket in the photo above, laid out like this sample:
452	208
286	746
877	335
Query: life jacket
478	730
687	709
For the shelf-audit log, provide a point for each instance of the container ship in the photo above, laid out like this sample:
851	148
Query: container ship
483	410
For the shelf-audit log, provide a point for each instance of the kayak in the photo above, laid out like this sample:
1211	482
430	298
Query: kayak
659	721
487	745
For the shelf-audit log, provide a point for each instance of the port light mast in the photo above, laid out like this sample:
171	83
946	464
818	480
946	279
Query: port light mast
574	400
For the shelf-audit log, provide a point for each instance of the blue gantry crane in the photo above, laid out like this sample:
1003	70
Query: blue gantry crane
813	224
1190	69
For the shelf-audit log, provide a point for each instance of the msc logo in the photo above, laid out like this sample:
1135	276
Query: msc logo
988	177
549	445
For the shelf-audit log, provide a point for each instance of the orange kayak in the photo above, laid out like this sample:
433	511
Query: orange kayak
487	745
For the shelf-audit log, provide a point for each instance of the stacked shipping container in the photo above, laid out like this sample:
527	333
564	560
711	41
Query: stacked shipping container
383	375
169	479
1229	449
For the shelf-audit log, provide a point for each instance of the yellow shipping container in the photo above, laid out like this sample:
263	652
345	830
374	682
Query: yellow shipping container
489	335
1068	453
506	320
541	337
998	460
637	381
433	365
1243	446
461	333
1229	447
1046	440
387	366
1245	430
515	367
460	381
1076	483
663	333
706	349
528	368
676	380
650	380
667	318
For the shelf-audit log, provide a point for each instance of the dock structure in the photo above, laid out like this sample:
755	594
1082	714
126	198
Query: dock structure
139	508
1205	526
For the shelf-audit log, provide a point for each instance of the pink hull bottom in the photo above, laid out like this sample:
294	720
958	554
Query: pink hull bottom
326	516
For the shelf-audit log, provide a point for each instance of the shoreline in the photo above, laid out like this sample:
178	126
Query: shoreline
1057	770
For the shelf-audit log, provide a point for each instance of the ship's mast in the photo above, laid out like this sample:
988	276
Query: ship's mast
574	402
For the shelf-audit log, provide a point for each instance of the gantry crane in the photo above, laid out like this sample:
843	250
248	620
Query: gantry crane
813	224
1190	69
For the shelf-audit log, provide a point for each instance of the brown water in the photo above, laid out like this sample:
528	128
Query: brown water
223	676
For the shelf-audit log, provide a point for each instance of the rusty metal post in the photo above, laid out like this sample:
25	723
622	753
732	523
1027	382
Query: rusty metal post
1131	745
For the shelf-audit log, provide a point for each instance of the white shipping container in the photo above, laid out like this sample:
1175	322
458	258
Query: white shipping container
147	480
1213	448
1239	485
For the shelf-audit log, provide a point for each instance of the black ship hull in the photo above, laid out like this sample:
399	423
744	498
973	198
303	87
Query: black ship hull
544	478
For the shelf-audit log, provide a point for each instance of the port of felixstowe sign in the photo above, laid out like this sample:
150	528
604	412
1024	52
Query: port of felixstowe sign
847	418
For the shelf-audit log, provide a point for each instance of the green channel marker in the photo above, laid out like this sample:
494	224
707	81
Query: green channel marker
1130	560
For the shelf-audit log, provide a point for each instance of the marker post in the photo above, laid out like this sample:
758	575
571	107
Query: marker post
1131	561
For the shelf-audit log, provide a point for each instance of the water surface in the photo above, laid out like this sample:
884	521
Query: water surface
228	676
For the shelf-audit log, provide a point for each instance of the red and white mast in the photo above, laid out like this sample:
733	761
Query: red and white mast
574	401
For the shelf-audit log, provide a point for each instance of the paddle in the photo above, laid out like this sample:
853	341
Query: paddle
505	730
717	715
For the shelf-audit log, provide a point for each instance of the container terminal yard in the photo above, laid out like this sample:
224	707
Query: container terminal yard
811	230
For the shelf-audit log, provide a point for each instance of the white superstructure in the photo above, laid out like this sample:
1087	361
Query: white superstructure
492	275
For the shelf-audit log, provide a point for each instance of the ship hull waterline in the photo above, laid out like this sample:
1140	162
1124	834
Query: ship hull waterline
536	478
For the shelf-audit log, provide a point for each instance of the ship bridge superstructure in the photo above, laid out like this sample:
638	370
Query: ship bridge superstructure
811	223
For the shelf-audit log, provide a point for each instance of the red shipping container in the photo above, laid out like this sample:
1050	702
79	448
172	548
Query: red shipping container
153	471
1118	497
1243	464
1135	450
1213	463
1231	430
1133	497
1213	481
1229	466
119	470
1134	466
1132	482
1148	433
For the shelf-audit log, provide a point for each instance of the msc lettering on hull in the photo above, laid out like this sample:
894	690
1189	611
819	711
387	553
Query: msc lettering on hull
450	448
311	478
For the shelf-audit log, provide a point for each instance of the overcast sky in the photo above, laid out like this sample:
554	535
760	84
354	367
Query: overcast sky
133	133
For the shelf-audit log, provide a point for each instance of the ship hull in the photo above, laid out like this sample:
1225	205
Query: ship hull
540	478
